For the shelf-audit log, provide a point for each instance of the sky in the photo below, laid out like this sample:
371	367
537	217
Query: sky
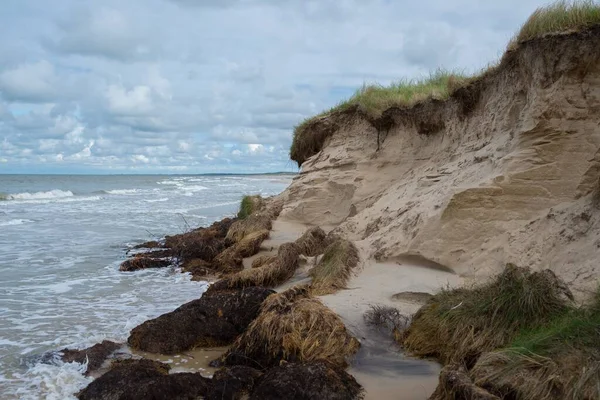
204	86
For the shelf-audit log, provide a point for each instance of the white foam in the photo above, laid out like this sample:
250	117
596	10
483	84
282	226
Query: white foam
15	222
122	191
157	200
52	194
194	188
51	382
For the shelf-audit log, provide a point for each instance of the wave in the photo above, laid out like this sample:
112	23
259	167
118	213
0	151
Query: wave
52	194
15	222
157	200
122	191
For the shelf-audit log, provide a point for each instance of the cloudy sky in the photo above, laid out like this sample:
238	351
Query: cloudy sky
193	86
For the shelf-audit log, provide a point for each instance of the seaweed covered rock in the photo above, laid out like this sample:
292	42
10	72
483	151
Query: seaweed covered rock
272	274
94	355
202	244
144	379
138	263
306	381
232	383
217	318
313	242
292	326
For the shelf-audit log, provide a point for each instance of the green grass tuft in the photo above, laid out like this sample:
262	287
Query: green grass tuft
249	205
457	325
558	17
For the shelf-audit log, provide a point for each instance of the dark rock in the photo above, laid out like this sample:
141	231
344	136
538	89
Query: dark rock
215	319
145	379
232	383
137	263
95	355
306	381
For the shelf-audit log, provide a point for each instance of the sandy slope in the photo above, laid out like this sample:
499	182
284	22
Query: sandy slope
511	180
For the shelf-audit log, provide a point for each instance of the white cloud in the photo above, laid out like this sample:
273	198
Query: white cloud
199	86
135	101
33	82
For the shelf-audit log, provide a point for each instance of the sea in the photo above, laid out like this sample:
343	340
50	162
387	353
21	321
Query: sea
62	238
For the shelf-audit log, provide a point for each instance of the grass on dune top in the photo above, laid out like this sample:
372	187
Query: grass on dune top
558	17
374	99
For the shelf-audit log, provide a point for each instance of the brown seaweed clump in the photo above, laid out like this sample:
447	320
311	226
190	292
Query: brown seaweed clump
296	327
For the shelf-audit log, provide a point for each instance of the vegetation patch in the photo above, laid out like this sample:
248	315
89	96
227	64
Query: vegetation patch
334	270
458	325
295	327
559	360
250	205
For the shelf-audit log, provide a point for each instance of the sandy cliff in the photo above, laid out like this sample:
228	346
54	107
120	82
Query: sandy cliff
505	170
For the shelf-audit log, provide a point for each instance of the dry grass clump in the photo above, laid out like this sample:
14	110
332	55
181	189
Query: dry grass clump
458	325
312	242
334	270
559	360
558	17
275	273
244	227
293	326
263	260
250	205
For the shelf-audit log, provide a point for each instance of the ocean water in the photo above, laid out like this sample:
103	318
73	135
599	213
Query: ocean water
62	239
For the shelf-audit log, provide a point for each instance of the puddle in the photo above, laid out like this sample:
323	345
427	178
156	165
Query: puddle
189	361
386	373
